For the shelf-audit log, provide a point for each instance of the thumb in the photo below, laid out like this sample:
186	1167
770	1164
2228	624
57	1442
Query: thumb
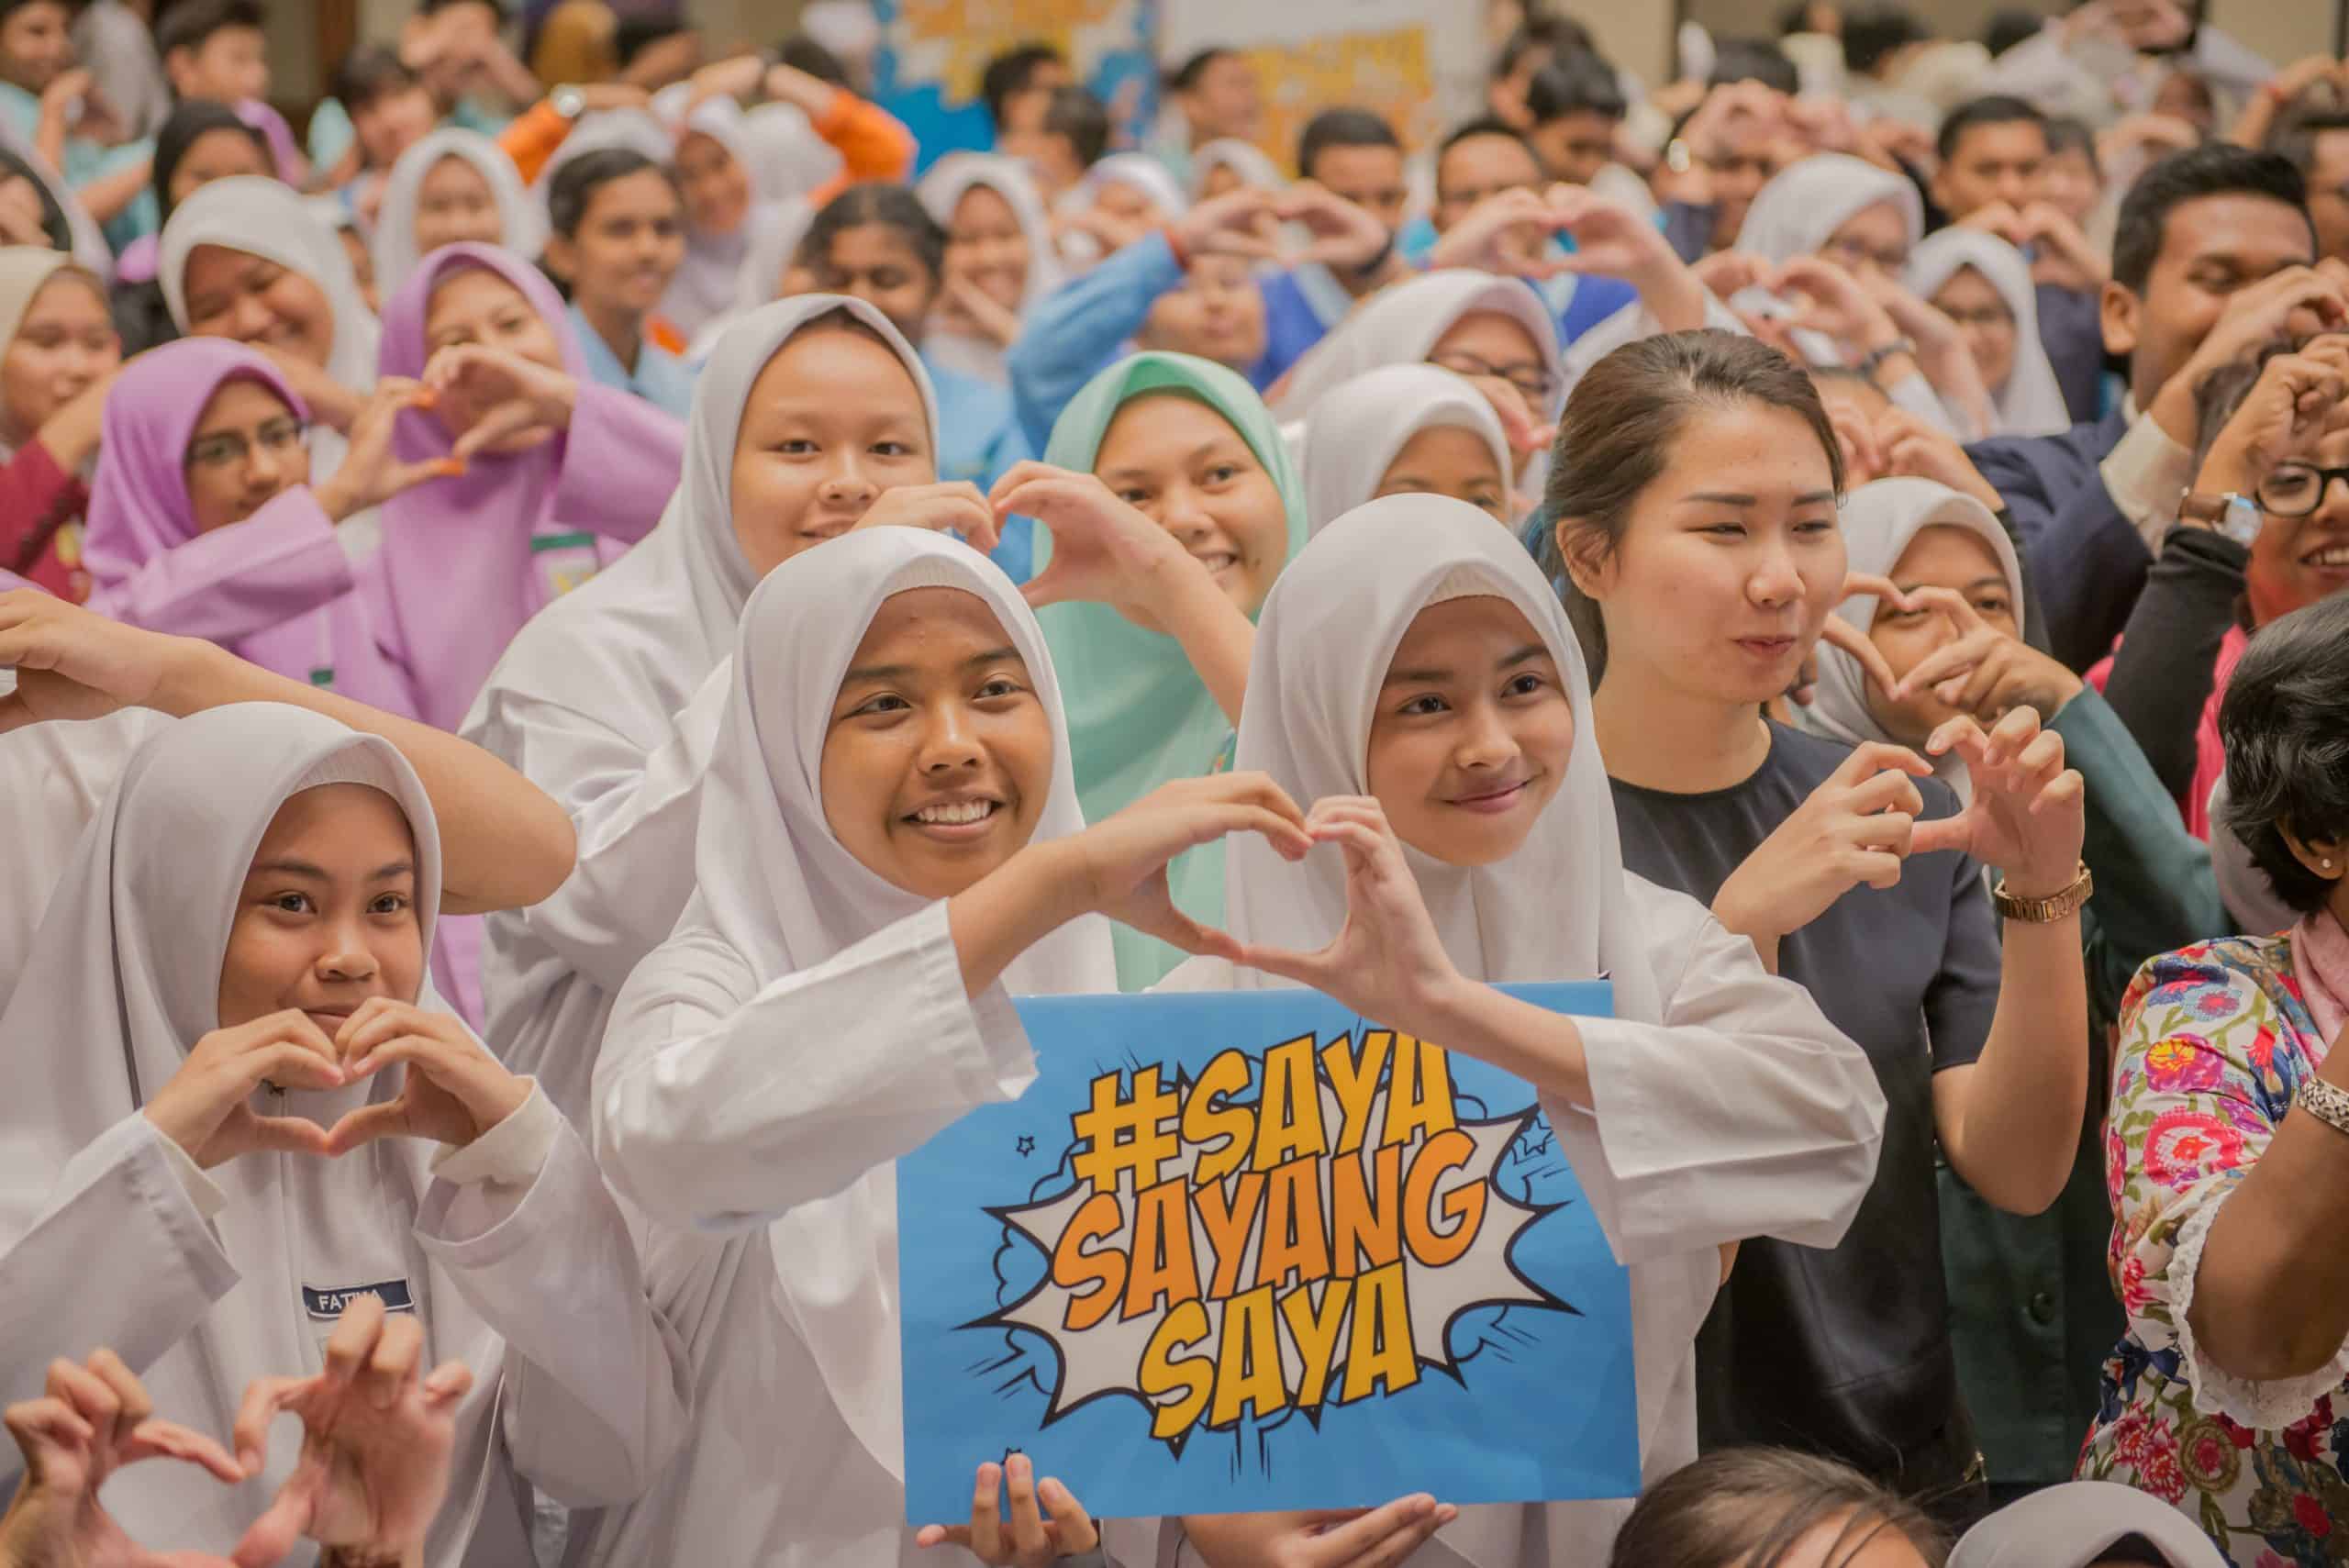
278	1134
273	1534
1053	585
1941	833
368	1123
506	420
16	713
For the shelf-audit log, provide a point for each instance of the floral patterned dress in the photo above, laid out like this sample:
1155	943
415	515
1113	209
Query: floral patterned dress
2215	1039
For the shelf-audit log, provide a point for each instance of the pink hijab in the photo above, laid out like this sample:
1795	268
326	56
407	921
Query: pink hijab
460	568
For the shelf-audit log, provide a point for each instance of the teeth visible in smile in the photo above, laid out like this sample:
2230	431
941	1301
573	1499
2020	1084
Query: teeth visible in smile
2332	555
953	812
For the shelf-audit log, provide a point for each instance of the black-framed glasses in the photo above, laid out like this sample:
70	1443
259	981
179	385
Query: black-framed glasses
226	448
1537	384
2297	489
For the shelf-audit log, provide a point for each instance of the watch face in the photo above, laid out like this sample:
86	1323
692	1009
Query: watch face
2242	520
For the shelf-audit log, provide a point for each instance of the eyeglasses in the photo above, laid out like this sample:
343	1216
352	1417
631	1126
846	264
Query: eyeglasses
229	447
1989	316
1537	384
1852	255
2297	489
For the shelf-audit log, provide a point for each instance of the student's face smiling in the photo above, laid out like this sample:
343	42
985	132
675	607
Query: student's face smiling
1447	459
1472	732
718	190
987	246
217	155
875	263
474	304
65	342
326	916
1984	321
1729	562
1182	465
236	294
453	203
939	756
833	420
631	240
246	451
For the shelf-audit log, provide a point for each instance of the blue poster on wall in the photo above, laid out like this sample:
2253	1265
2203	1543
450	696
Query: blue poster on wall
1242	1251
932	52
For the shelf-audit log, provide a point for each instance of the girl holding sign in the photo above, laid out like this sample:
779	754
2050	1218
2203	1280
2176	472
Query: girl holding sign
1447	744
889	842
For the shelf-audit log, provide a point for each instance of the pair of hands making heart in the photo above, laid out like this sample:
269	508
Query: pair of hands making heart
1509	233
376	1447
453	1090
1247	222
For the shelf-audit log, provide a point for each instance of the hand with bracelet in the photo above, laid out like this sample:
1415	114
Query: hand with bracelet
1839	305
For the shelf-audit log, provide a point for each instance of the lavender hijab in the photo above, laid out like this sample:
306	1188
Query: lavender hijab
457	574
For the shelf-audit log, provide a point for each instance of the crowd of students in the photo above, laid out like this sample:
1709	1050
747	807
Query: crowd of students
569	636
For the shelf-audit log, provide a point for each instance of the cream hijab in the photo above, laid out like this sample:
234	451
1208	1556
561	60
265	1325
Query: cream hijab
1805	202
2031	403
25	271
1401	324
1879	522
395	246
778	893
629	647
1355	434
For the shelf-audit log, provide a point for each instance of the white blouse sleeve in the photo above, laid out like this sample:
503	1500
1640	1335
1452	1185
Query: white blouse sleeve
718	1112
1744	1113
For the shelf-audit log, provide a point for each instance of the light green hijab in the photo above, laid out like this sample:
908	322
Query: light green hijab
1139	716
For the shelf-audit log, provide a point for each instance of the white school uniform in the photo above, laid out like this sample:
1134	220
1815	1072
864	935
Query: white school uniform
511	1253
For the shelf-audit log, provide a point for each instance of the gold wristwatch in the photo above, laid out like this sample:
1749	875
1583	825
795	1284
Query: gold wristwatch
2042	911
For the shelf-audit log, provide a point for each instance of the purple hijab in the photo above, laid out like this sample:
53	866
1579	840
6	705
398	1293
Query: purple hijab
140	514
465	560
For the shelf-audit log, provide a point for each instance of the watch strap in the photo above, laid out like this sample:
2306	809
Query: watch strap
2324	1102
2055	907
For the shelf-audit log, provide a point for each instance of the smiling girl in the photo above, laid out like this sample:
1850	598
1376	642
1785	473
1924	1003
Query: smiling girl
59	354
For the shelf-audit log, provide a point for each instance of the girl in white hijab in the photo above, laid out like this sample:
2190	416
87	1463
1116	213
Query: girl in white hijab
890	842
1229	164
2081	1524
609	698
998	247
2025	398
1120	196
1881	521
1400	428
1471	322
1717	1104
732	193
454	184
243	257
250	911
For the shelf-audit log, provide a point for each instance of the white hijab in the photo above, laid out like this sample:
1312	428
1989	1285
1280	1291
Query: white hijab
774	237
129	955
942	191
597	130
89	248
1136	170
1879	522
1557	909
629	647
1244	158
780	893
1401	324
1355	434
1805	202
706	281
266	217
395	246
2031	403
2075	1524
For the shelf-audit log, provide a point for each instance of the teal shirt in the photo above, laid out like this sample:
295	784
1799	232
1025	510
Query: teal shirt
661	378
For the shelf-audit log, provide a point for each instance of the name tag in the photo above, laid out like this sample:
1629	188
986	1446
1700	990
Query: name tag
326	1306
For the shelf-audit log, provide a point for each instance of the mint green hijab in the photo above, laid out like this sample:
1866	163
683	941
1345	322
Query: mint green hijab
1139	716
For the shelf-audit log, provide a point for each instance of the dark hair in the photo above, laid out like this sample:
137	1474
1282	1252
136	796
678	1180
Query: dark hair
1616	436
367	74
1795	18
802	53
2294	136
1998	108
1873	35
189	24
192	120
2285	724
2066	134
54	225
1485	125
1746	1507
573	186
2214	169
1574	84
1755	60
1184	77
1341	127
877	204
1558	35
636	34
1010	73
2009	27
1079	116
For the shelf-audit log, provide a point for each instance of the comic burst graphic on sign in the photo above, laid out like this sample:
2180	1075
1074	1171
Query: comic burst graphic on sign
1281	1258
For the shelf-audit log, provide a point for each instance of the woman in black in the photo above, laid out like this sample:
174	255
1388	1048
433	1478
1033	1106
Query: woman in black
1696	482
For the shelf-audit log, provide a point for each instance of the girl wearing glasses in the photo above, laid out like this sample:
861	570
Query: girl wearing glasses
204	522
2264	531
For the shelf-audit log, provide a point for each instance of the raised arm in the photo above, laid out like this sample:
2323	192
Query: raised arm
503	843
